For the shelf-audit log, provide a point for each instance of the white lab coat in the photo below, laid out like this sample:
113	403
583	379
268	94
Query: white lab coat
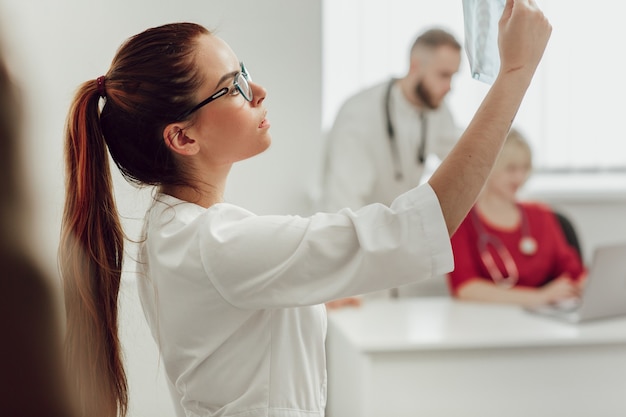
359	168
234	300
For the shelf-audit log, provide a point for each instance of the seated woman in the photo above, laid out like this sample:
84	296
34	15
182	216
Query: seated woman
509	251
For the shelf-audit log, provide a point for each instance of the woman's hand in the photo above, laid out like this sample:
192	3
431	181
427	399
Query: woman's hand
559	289
522	38
343	302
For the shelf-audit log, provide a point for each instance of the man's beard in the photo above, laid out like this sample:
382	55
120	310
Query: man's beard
425	96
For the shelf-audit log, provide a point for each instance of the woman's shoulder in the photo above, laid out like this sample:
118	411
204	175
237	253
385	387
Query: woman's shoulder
536	207
174	214
165	202
540	213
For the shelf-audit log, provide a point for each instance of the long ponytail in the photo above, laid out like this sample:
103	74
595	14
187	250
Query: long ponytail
153	77
90	258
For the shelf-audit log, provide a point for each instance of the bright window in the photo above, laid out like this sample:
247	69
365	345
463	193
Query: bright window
573	113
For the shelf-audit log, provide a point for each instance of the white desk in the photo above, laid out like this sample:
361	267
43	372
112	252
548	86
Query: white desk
437	357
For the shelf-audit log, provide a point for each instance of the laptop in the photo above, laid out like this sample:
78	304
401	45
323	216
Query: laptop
604	294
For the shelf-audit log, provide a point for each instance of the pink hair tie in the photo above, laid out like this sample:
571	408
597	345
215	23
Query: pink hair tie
101	90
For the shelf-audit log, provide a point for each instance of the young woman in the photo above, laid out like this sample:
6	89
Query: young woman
235	300
511	251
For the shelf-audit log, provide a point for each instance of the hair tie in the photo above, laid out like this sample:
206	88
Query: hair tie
101	90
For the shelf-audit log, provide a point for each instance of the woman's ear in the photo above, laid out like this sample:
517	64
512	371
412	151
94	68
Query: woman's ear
177	141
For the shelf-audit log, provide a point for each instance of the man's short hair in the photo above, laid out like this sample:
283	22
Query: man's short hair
434	38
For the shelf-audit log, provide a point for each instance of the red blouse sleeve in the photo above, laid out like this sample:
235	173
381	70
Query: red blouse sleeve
467	263
567	261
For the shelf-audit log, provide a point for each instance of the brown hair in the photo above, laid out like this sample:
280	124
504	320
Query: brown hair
435	38
152	79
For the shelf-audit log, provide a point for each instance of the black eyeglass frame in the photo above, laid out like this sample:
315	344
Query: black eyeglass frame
222	91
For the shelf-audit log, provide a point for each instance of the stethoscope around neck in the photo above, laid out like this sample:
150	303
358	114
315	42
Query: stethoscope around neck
391	134
527	245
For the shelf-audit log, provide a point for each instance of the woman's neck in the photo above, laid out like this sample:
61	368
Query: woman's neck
203	197
204	188
203	193
498	211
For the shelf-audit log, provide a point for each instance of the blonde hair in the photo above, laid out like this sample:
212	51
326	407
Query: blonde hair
515	137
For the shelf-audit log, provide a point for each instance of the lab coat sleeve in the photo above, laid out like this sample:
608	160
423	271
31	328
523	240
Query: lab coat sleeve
280	261
349	170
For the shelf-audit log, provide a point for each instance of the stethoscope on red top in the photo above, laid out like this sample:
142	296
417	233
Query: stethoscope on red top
527	245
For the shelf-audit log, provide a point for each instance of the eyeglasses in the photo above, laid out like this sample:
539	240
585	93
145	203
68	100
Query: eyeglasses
241	85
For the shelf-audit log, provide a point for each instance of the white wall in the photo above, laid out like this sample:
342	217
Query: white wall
57	45
568	104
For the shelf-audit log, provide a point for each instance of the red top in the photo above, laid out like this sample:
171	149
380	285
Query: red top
553	257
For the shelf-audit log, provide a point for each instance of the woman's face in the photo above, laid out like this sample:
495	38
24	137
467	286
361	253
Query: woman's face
230	128
510	171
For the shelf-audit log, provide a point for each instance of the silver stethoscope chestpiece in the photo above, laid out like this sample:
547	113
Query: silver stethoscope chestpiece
528	245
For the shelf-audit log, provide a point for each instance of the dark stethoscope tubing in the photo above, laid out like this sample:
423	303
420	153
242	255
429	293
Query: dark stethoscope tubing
391	134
